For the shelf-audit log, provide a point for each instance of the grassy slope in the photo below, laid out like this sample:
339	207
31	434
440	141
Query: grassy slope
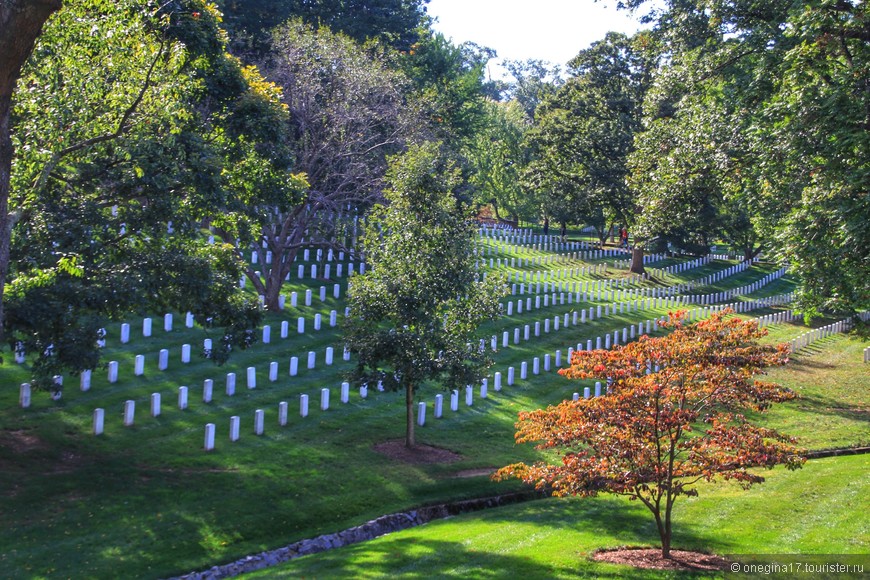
815	511
147	498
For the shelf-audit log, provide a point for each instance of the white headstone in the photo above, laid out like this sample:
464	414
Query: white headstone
208	443
259	421
234	427
129	413
24	393
99	421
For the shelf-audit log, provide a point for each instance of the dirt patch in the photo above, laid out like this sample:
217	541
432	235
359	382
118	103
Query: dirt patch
21	441
420	454
651	558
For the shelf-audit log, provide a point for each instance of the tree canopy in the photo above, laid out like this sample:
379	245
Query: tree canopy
672	417
414	315
125	122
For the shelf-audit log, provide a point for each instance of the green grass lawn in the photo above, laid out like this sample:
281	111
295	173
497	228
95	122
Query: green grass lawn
818	509
148	499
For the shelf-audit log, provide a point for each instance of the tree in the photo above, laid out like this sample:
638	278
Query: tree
793	81
654	435
415	313
585	132
126	123
449	81
21	23
496	156
347	112
394	22
534	80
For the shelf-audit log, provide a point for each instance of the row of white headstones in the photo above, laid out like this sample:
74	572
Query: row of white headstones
598	285
163	355
438	405
183	393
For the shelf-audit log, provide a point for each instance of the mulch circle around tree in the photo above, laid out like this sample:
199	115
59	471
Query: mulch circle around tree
651	558
421	453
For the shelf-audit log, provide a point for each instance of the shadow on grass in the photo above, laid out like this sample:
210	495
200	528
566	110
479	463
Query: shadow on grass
412	558
834	407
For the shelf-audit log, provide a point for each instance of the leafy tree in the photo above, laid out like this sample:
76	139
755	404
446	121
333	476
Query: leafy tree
347	112
449	82
792	77
393	22
496	157
21	23
125	124
534	80
654	435
585	132
415	313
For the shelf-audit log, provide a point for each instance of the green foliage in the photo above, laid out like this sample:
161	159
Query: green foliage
393	22
496	157
786	157
584	133
415	314
449	80
128	120
534	81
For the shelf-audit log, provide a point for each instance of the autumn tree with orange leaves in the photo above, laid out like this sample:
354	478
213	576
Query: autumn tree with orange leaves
655	434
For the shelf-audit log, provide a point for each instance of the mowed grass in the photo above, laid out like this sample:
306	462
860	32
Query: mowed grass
148	500
833	384
818	509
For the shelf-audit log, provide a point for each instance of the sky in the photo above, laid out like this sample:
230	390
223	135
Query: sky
551	30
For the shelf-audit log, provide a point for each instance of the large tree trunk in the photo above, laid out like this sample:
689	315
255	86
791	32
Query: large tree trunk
637	260
410	442
21	24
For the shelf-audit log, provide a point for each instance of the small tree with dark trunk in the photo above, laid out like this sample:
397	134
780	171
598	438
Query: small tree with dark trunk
656	434
415	313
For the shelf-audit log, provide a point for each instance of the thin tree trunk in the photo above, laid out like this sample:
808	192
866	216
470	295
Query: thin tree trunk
21	24
410	443
663	533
